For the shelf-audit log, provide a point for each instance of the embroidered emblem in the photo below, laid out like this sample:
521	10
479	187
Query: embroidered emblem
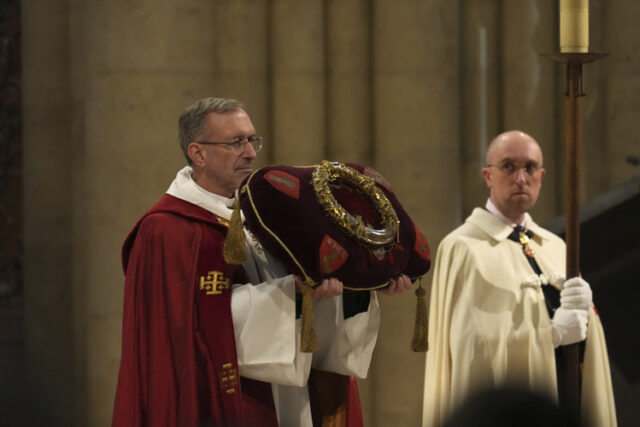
287	183
228	378
213	283
377	177
379	254
524	241
385	255
422	246
331	255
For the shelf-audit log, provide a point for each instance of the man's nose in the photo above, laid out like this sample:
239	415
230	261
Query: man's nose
249	152
520	175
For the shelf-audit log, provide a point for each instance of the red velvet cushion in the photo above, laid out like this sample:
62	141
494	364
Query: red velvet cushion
281	210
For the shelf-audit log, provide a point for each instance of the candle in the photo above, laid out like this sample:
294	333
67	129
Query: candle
574	25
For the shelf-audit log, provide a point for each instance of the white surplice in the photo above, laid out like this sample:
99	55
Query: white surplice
266	331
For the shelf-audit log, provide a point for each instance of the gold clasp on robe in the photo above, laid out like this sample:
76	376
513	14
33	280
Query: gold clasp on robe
524	241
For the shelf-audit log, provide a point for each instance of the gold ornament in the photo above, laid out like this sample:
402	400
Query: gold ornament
234	245
419	342
327	173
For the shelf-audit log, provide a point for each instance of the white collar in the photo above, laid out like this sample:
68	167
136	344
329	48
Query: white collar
496	212
185	188
499	230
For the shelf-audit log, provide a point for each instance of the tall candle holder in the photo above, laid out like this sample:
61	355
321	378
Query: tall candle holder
569	393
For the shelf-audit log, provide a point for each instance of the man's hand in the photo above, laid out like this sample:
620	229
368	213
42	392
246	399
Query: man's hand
397	285
568	326
576	294
329	288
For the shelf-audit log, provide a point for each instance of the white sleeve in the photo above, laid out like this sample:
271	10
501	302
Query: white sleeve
267	333
346	346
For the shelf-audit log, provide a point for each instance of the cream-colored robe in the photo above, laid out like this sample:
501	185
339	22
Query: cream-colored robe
489	326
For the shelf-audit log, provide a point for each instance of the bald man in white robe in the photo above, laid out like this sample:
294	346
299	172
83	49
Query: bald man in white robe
489	323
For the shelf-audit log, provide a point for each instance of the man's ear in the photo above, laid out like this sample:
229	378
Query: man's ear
486	174
196	153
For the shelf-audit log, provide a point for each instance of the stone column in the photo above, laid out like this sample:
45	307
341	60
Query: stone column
622	84
77	74
48	207
349	107
140	70
298	72
416	136
479	94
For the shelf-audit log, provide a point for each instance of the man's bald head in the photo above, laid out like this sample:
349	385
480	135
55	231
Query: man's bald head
513	173
507	138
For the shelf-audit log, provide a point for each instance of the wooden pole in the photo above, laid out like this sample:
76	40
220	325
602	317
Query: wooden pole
569	393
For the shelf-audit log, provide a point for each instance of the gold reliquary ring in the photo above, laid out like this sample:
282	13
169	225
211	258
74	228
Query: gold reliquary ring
327	174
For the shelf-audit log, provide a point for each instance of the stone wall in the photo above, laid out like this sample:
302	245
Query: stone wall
414	88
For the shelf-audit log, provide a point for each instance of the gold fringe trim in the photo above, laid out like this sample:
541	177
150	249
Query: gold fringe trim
419	341
309	339
234	247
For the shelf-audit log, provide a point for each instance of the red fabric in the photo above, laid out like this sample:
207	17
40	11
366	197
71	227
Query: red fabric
354	411
179	363
276	216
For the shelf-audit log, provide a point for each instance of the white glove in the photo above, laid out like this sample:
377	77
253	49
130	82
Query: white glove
576	294
568	326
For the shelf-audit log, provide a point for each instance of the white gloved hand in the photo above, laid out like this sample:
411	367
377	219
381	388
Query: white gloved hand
568	326
576	294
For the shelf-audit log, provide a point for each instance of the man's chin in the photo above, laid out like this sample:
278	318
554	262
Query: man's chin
521	203
521	199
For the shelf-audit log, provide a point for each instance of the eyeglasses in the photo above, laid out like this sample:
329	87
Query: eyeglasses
509	168
239	145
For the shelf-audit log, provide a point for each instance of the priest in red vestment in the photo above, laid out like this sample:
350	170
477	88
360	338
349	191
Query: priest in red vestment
210	343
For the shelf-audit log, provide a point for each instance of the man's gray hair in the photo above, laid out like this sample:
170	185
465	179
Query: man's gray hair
192	119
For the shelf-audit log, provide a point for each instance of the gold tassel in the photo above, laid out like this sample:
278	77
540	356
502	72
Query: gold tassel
419	341
309	340
234	248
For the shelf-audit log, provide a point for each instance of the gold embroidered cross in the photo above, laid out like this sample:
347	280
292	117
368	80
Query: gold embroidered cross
214	283
228	378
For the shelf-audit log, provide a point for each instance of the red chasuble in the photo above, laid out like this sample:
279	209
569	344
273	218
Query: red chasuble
179	365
